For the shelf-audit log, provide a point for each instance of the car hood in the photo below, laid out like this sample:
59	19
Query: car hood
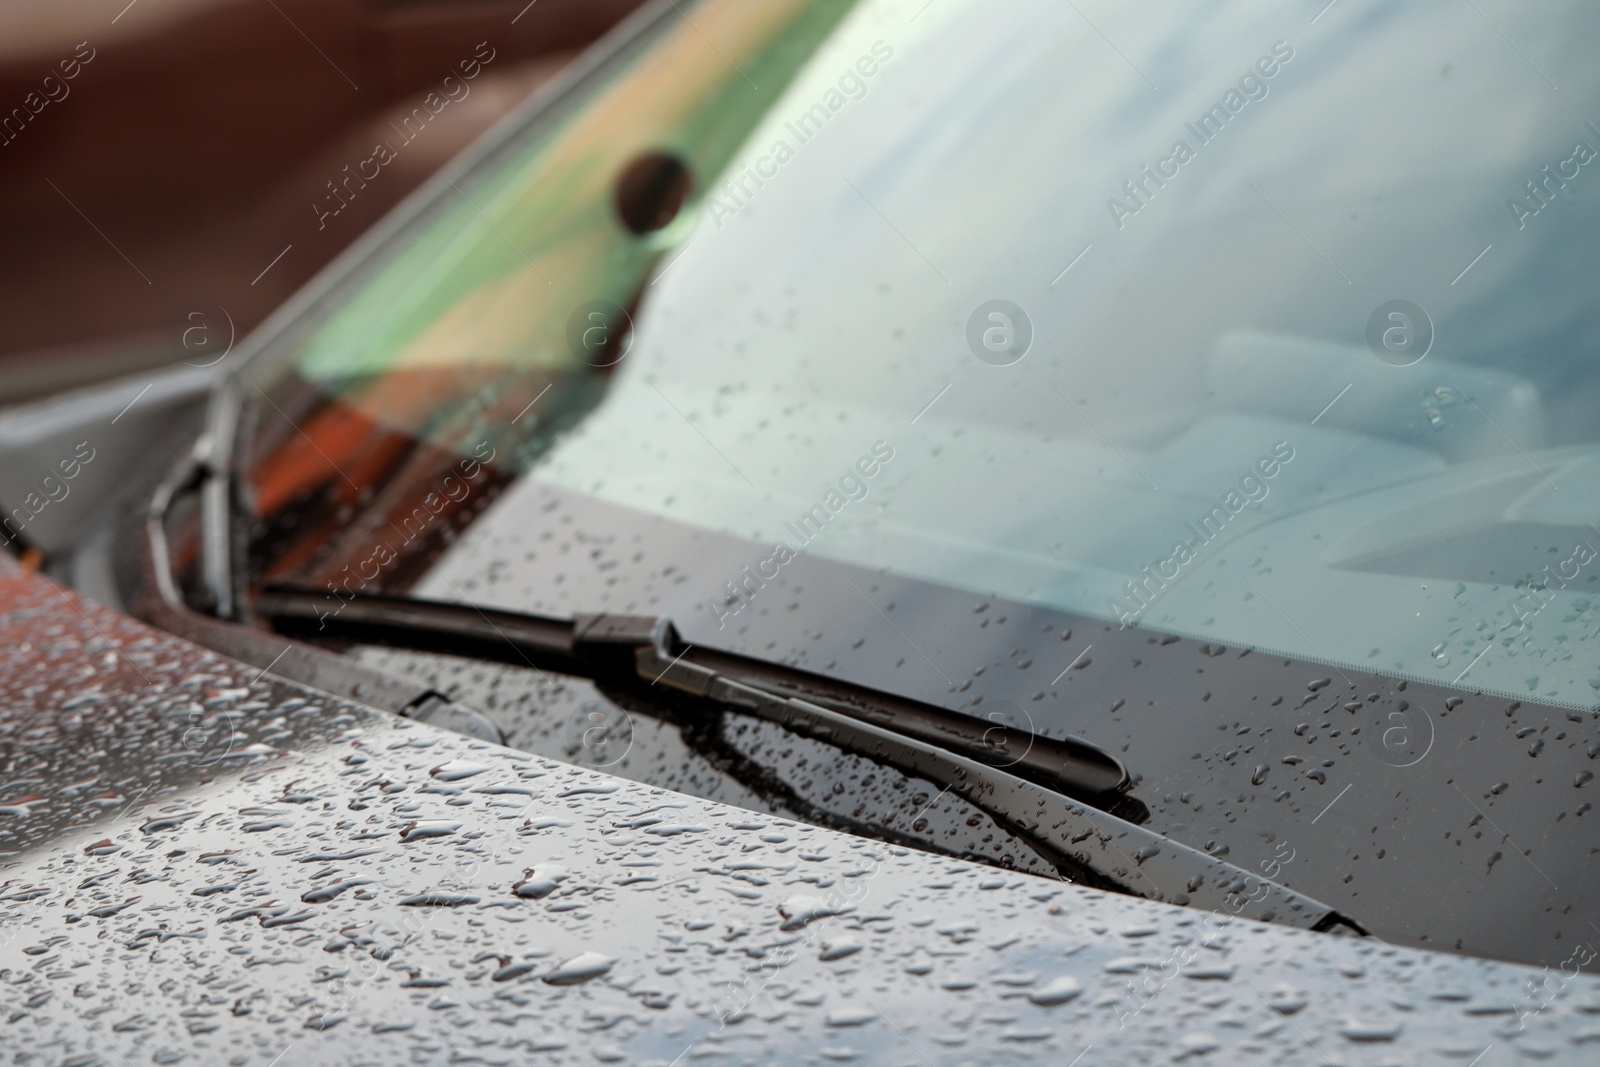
203	862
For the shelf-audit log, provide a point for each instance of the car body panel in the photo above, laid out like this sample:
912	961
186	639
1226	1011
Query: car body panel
176	822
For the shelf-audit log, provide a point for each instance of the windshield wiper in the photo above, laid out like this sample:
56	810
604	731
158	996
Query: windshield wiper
1032	796
574	646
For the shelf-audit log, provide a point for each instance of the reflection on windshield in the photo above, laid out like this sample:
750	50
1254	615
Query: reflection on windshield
498	322
1198	235
1089	294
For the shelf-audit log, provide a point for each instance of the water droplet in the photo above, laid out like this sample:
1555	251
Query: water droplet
458	769
1057	991
580	968
438	898
422	829
1196	1044
839	948
1286	1001
539	882
513	970
799	910
1366	1031
328	892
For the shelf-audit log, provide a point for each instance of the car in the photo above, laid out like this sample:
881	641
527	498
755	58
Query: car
857	531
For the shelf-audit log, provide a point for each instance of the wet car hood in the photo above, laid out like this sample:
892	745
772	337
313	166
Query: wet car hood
204	863
1235	752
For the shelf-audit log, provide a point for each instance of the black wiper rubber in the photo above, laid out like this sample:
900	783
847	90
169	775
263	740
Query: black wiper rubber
933	746
1068	765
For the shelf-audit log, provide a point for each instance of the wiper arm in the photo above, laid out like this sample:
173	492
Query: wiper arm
920	740
576	647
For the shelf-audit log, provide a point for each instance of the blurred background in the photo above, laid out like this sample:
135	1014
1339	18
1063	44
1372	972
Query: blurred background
185	164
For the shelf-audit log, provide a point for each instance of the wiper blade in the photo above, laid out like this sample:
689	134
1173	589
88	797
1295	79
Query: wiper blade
576	646
920	740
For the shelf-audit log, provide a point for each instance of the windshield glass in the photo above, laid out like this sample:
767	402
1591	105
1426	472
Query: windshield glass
1274	331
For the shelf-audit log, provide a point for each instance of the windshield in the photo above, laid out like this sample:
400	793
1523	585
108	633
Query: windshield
1273	331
